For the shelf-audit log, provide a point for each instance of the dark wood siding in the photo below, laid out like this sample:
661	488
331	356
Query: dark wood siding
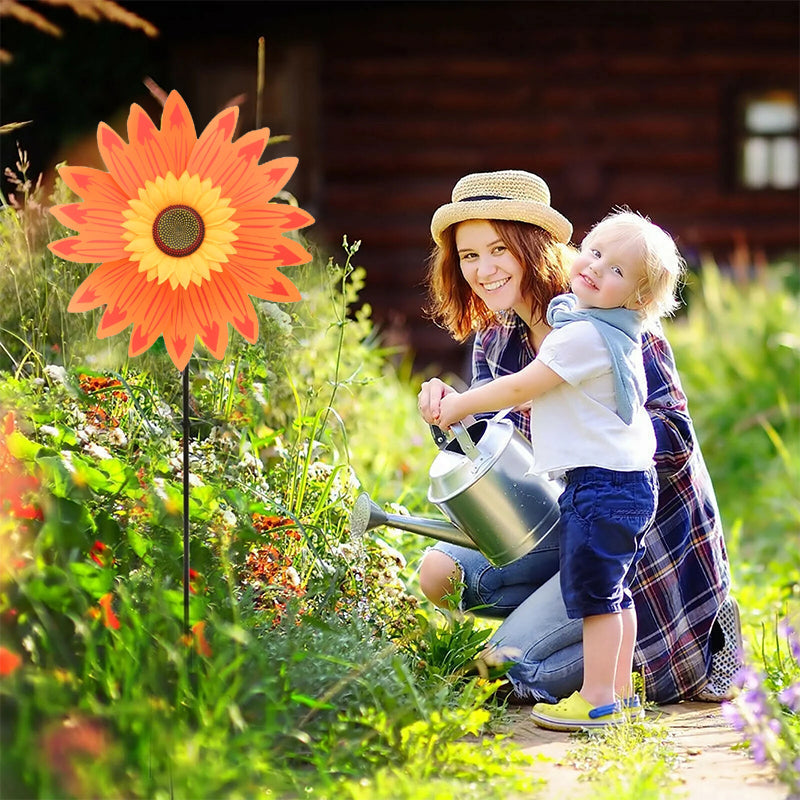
611	102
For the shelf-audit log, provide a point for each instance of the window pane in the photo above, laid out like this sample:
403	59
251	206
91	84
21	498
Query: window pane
784	162
755	169
771	115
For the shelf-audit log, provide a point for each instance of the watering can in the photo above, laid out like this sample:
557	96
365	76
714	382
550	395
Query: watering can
481	480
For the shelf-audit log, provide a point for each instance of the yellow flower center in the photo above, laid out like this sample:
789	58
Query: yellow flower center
179	229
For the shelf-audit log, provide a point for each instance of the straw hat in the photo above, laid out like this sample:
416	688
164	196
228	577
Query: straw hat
510	194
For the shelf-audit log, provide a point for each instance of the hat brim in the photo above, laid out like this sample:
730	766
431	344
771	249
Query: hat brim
494	208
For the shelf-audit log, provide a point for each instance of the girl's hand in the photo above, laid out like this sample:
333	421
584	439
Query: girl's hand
430	397
450	410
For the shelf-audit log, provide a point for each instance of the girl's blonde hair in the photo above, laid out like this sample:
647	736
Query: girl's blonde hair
663	264
452	303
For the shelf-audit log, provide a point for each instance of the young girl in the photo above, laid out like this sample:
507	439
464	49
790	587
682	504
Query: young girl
499	293
589	426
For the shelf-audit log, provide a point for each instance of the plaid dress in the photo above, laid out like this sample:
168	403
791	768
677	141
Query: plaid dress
684	575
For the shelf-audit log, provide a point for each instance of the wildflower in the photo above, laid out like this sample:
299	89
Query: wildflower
109	617
98	451
101	554
184	229
56	374
201	644
197	582
17	485
9	661
790	697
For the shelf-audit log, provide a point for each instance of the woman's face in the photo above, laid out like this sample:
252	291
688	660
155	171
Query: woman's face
489	268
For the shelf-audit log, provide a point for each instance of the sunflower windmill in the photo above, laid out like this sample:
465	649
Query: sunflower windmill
185	234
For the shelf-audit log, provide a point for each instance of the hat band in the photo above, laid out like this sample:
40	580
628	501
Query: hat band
483	197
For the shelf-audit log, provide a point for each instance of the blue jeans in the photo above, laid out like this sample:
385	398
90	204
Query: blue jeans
536	633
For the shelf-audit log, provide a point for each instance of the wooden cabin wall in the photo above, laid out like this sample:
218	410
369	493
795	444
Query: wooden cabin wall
611	102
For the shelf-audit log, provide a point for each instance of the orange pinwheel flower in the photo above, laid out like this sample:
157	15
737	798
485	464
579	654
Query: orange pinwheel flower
184	231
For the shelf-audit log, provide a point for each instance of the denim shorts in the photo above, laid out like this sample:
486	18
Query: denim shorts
604	516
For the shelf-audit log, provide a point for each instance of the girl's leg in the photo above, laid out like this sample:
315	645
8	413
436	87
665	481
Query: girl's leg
602	639
622	680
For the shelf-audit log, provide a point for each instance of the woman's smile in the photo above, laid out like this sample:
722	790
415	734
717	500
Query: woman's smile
490	287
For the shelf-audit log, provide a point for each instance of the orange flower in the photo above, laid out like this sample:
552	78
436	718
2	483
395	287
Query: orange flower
184	231
16	485
201	644
9	661
110	619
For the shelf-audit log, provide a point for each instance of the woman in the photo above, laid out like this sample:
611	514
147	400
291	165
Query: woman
498	283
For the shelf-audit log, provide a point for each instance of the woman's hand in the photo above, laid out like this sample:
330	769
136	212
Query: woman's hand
430	397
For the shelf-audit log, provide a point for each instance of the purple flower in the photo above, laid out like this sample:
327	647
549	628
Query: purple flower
732	715
785	629
790	697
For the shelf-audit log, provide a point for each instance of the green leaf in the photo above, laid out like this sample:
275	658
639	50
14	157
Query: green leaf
67	525
311	702
21	448
94	580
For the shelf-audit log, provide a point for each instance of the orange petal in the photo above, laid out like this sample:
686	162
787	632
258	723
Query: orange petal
125	164
179	329
273	217
178	132
232	168
151	312
263	281
207	150
146	146
94	185
228	301
212	330
89	248
84	217
264	181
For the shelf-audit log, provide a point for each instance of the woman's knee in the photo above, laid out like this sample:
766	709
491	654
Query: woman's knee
437	576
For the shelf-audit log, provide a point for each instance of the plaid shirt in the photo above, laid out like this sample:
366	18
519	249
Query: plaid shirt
684	575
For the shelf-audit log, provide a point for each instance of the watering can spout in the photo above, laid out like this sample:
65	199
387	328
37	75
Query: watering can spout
367	515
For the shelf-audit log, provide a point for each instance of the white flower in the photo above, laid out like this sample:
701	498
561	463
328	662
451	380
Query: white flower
98	451
49	430
258	394
56	373
116	436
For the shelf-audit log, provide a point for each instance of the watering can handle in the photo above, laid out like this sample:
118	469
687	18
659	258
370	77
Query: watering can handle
440	437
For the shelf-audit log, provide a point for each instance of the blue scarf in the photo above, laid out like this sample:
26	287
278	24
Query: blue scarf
621	329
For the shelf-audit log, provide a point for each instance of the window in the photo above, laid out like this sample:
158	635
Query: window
768	142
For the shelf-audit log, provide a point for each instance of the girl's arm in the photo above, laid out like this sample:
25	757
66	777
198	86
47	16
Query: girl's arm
510	390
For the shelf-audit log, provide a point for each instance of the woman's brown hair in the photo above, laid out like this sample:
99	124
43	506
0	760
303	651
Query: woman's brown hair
453	304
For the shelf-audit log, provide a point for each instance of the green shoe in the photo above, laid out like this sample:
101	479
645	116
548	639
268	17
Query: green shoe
573	713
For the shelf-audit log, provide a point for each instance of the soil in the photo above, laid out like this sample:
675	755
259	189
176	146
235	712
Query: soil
709	766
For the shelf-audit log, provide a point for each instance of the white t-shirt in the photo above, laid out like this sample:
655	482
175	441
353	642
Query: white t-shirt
576	424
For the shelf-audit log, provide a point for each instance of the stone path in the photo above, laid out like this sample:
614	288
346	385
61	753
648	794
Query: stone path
709	768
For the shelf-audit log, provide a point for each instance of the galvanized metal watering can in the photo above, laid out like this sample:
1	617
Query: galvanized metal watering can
480	481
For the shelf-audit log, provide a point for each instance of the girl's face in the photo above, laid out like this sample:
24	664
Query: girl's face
489	268
607	272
